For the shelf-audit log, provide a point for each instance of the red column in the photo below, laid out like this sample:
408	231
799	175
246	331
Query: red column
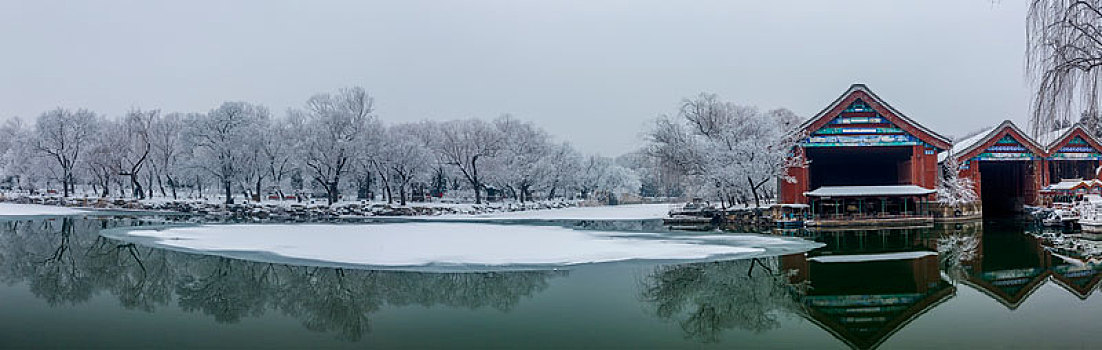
1038	181
916	165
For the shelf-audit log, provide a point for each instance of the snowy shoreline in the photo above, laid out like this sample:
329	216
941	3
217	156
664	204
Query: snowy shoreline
294	211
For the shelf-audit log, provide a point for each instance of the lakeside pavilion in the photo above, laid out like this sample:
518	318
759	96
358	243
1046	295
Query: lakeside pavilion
1006	166
865	160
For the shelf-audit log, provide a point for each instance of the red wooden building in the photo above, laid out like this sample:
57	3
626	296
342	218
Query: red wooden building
864	157
1006	165
1071	153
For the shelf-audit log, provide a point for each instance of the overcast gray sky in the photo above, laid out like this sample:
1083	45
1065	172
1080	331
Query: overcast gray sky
591	72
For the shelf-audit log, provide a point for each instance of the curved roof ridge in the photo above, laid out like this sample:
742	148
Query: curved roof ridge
865	89
971	144
1052	145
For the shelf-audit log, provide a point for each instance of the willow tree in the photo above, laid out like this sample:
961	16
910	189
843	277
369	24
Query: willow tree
1063	53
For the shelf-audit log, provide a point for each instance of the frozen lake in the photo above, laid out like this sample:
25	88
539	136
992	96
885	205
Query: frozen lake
990	286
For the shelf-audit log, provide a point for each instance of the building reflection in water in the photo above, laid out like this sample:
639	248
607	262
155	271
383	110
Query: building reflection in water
1012	263
866	284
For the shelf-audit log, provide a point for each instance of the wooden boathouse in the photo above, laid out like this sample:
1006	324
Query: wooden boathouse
1011	170
1071	165
864	161
1006	166
1072	153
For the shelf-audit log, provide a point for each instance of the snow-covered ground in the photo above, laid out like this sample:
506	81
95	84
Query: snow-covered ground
612	212
12	209
437	244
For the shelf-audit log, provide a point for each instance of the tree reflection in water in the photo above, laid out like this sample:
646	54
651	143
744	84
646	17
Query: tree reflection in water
957	247
707	298
65	261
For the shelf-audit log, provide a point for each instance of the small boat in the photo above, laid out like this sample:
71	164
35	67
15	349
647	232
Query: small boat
1090	213
1053	219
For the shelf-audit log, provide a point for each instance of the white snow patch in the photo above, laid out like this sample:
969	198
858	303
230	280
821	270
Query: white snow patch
418	244
12	209
862	191
870	257
754	240
963	145
610	212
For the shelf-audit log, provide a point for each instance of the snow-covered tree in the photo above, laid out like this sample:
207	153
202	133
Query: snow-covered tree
20	164
466	144
333	130
524	162
168	151
103	160
220	138
62	135
277	147
254	163
601	176
1064	53
408	158
655	180
730	151
564	164
133	139
954	190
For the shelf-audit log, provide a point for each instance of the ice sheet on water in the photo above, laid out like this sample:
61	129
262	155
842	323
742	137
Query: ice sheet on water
610	212
405	245
12	209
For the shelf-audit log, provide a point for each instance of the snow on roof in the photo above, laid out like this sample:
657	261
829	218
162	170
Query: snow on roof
1064	185
1052	139
870	257
865	191
971	143
1049	139
959	147
1072	184
790	205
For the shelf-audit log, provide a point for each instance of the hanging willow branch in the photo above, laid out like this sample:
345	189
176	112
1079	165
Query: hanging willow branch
1063	50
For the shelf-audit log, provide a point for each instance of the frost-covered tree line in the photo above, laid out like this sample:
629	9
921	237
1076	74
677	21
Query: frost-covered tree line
722	151
333	147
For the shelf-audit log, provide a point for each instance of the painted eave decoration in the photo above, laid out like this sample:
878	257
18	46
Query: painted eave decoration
1005	142
1075	144
860	118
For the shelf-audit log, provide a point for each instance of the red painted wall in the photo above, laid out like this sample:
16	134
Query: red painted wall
920	170
793	192
1037	172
